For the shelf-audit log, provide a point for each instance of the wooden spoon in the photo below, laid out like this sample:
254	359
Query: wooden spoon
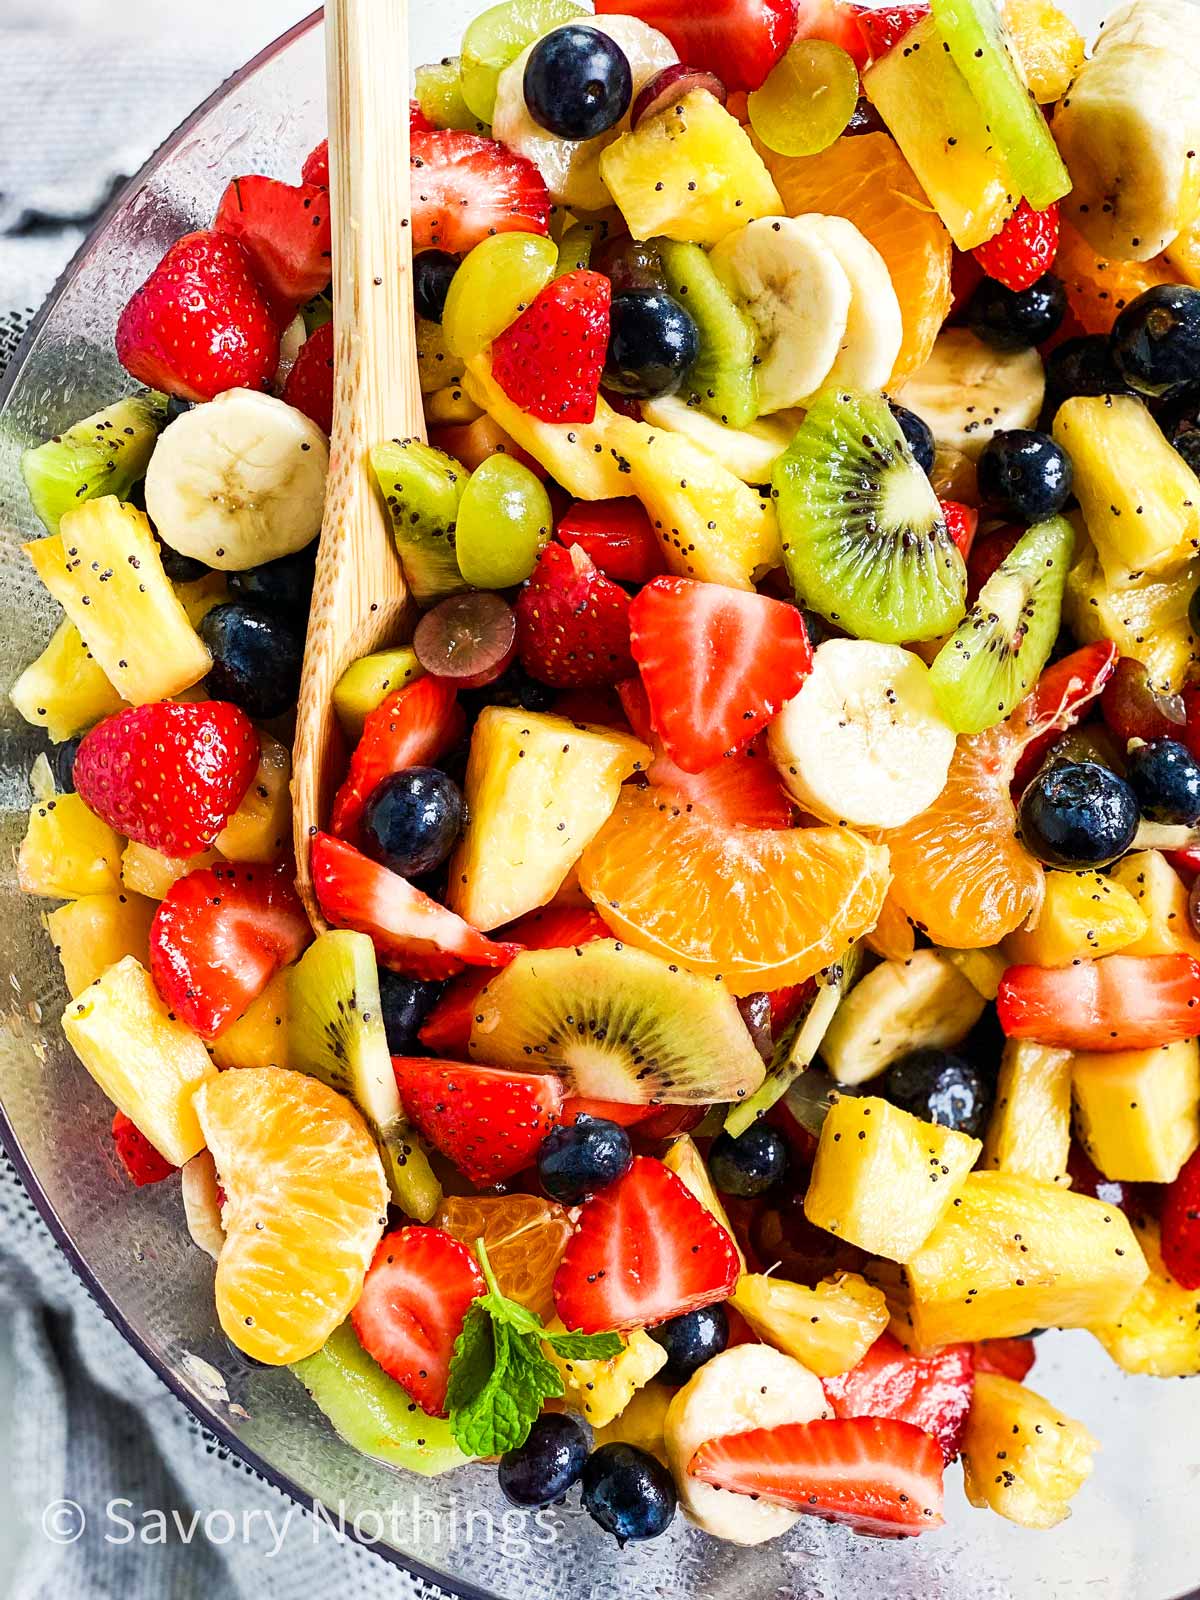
359	597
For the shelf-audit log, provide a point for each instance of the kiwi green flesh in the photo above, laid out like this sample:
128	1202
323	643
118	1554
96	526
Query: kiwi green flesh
422	488
617	1024
104	454
723	381
1001	646
864	539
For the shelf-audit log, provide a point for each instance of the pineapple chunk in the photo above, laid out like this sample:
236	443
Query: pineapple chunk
68	852
64	691
1013	1254
368	682
881	1178
642	1422
147	871
1140	499
259	1037
983	969
1158	1332
94	933
261	827
1021	1456
602	1389
1030	1127
828	1329
1083	915
686	1162
1137	1112
1146	617
147	1063
689	173
1158	890
538	790
105	572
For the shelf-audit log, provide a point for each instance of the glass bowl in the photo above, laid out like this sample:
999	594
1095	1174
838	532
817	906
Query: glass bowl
1132	1536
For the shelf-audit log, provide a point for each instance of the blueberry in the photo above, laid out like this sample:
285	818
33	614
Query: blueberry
413	820
1081	366
514	687
284	586
1024	475
1156	340
181	569
1180	421
865	119
651	345
578	82
578	1158
177	407
552	1459
628	1492
432	274
62	764
1017	319
1165	777
751	1163
256	658
690	1341
938	1086
918	433
406	1003
1079	815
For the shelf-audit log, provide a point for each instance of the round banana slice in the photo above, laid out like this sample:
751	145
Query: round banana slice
874	328
571	167
750	1386
238	481
749	453
796	292
967	392
863	742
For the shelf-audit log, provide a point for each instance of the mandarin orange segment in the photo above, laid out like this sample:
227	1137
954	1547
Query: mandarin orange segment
865	179
305	1206
1098	289
893	937
758	908
525	1238
1182	256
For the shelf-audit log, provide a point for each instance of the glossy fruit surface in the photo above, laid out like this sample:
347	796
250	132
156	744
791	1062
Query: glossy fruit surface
414	726
1156	340
550	1462
1015	319
1078	815
691	1340
628	1492
574	1162
406	1004
490	1123
670	86
283	586
433	273
578	82
1024	475
1097	288
1023	250
1117	1003
468	640
937	1086
918	433
493	285
256	658
932	1392
504	520
1165	777
413	820
653	341
1082	365
525	1237
807	100
751	1164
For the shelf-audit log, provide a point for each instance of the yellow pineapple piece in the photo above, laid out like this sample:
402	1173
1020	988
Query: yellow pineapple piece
68	852
983	969
1048	45
261	827
202	595
602	1389
450	407
881	1178
103	568
148	871
1146	617
94	933
828	1329
148	1063
64	690
1084	915
368	682
1030	1127
1022	1458
1013	1254
689	173
686	1162
1137	1112
538	790
1158	890
1158	1332
259	1037
642	1422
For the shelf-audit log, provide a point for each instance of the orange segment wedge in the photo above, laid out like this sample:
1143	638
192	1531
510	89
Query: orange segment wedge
305	1205
525	1237
1099	289
758	908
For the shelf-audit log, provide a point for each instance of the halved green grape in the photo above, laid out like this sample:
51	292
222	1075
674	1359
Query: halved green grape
807	100
495	283
504	521
497	37
440	97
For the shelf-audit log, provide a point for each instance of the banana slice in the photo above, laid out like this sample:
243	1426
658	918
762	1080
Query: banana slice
749	453
201	1206
750	1386
238	481
967	392
900	1006
874	328
783	274
863	742
571	167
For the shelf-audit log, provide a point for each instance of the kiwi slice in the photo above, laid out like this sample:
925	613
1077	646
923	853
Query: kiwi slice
104	454
367	682
336	1034
864	539
438	89
723	380
617	1024
422	488
998	649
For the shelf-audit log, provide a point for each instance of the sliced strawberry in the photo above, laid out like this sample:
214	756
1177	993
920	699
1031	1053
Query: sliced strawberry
411	728
316	166
137	1155
645	1250
169	775
572	622
411	933
1024	248
933	1392
465	189
1011	1358
885	27
309	385
219	938
412	1308
739	40
1116	1003
626	1116
618	536
1063	693
961	523
549	360
200	324
557	928
636	705
286	232
1181	1225
985	556
877	1475
447	1028
490	1123
717	664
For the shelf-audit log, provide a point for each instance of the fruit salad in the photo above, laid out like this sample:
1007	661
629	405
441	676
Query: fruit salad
757	980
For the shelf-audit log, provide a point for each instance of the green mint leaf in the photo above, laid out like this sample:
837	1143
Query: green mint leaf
474	1358
481	1417
500	1415
531	1377
500	1306
585	1346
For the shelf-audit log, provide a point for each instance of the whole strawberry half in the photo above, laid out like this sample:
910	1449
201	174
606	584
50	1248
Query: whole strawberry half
286	231
411	728
1024	248
933	1391
572	622
137	1155
309	385
464	189
490	1123
200	324
549	361
169	776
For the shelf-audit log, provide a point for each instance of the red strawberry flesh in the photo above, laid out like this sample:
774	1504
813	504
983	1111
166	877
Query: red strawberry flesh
1024	248
618	536
309	385
1115	1003
549	361
738	40
137	1155
413	727
933	1391
464	189
490	1123
286	232
572	622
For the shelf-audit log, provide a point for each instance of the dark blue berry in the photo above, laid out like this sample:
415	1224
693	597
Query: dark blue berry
628	1492
284	586
1156	340
578	82
865	119
413	820
918	433
1165	777
1078	815
181	569
1017	319
1024	475
577	1159
690	1341
652	343
177	407
406	1003
514	687
256	658
62	764
433	271
1180	421
751	1163
552	1459
1081	366
937	1086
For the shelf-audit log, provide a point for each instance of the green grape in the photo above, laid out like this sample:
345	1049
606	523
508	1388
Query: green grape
504	521
807	100
497	37
440	97
495	283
